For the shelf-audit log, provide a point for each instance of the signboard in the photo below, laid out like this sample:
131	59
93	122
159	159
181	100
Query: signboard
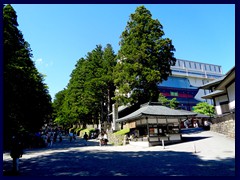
132	125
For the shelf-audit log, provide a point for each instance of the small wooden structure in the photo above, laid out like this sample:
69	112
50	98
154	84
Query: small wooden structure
153	124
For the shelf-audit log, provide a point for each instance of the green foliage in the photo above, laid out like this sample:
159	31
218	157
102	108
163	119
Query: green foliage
172	103
88	131
89	93
27	103
204	108
122	131
59	115
78	130
145	59
162	99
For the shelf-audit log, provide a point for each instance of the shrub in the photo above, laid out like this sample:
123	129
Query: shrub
122	132
88	131
77	131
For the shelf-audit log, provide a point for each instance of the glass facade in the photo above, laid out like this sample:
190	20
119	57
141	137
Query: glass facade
178	85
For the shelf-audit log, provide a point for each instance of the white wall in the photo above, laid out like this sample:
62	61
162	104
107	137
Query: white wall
218	101
218	110
201	92
231	95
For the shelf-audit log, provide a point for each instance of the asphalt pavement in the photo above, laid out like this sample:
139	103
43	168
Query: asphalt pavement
202	153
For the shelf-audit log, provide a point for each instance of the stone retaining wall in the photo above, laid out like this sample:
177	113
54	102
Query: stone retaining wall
115	139
224	125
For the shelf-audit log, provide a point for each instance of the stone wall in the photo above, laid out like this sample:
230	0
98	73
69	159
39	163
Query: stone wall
224	125
115	139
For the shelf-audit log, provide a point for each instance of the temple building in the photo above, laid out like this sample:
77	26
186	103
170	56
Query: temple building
152	124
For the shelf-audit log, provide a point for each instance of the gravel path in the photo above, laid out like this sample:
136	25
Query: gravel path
203	153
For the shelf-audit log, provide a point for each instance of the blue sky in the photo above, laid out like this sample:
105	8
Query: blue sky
59	35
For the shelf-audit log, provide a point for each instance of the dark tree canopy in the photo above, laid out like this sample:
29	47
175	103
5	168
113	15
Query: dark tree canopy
145	58
27	103
88	97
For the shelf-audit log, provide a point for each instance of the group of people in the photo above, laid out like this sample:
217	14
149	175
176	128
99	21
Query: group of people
103	138
48	138
51	136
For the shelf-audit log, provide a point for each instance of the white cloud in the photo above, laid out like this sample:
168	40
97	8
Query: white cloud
39	61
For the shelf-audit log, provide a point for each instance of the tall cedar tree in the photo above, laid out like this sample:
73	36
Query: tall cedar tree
145	58
59	116
89	93
27	103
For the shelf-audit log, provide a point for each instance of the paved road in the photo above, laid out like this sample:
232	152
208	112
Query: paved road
203	153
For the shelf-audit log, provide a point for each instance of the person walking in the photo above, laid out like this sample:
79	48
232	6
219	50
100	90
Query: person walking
60	137
70	136
16	153
100	138
85	137
105	138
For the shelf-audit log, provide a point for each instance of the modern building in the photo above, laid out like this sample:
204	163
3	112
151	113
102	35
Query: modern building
186	77
183	84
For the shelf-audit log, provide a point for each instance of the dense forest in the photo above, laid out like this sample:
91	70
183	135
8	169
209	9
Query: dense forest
100	79
88	97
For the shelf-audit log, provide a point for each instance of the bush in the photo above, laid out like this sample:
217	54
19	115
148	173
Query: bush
122	132
77	131
88	131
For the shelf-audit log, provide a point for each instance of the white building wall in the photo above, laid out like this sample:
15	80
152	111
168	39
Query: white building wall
180	63
218	100
201	92
218	110
196	73
231	96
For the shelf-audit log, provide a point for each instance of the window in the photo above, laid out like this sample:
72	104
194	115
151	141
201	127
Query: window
178	63
219	69
207	67
174	93
172	129
153	131
224	107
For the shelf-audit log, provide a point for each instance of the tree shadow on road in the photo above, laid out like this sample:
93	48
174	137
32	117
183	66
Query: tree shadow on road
101	162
